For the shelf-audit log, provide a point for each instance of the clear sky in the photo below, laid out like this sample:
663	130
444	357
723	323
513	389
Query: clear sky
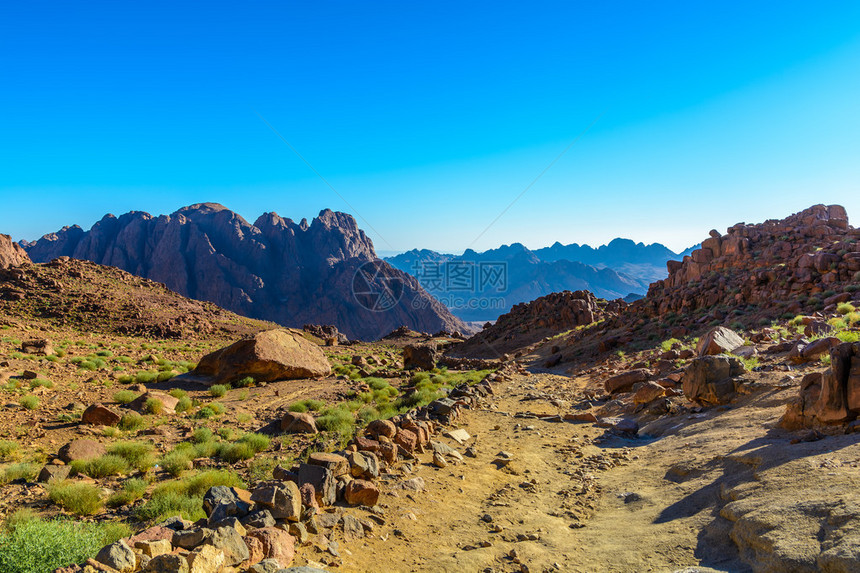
430	118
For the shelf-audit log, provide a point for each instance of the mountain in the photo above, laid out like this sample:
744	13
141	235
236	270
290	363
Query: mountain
325	272
619	269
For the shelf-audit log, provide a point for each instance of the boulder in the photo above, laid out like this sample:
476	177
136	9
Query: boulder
271	355
361	492
167	563
831	397
381	428
228	540
719	340
168	402
624	382
206	559
100	415
709	379
648	392
298	423
82	449
119	556
282	499
338	465
37	346
277	544
421	356
323	481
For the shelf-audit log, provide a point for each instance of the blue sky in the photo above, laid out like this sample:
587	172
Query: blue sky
431	118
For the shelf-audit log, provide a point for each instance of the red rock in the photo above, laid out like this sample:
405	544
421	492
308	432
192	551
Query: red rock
309	495
361	492
82	449
647	392
11	254
298	423
580	417
366	444
255	551
381	428
154	533
388	451
624	382
100	415
719	340
407	439
337	465
277	544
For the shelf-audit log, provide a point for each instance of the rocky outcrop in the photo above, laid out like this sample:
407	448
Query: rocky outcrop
274	269
792	265
11	254
828	398
268	356
710	380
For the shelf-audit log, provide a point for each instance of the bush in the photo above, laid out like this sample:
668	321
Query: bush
145	377
131	422
183	405
153	406
338	420
124	396
36	382
178	393
244	382
33	545
30	402
165	376
232	453
139	455
24	471
218	390
305	405
132	490
202	435
845	308
8	450
78	498
185	496
177	461
258	442
102	466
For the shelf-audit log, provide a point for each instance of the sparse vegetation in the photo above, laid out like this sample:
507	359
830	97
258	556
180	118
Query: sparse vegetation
218	390
77	498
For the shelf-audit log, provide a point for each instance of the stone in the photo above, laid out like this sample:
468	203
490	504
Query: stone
258	519
277	544
709	380
444	449
459	435
439	460
415	484
322	480
255	550
191	538
298	423
168	402
231	543
309	496
82	449
718	340
745	351
206	559
271	355
381	428
366	444
421	356
388	451
352	528
363	464
37	346
153	533
648	392
336	464
819	347
119	556
619	424
266	566
282	499
299	531
624	382
55	472
407	439
361	492
155	547
100	415
167	563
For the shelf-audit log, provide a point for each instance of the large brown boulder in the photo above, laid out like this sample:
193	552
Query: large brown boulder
831	397
11	254
719	340
624	382
423	356
271	355
709	380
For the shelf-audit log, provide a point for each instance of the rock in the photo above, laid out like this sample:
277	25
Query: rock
299	531
647	392
271	355
831	397
154	547
363	464
119	556
191	538
231	543
439	460
352	528
258	519
100	415
388	451
444	449
745	351
361	492
205	559
221	502
381	428
277	544
167	563
168	402
709	380
255	550
459	435
422	356
415	484
82	449
817	348
718	340
336	464
37	346
282	499
406	439
322	480
619	424
298	423
309	496
52	471
266	566
624	382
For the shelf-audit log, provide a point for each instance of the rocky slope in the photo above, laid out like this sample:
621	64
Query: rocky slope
274	269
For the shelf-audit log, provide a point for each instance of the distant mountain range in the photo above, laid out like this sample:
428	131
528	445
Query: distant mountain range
481	286
322	272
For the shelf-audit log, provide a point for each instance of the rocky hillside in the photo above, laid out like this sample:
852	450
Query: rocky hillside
11	254
274	269
799	264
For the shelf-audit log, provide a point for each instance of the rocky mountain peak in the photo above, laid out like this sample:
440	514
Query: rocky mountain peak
11	253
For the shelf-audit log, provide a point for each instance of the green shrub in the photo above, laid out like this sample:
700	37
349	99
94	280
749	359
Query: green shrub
845	308
185	496
36	382
132	421
848	336
145	377
202	435
165	376
218	390
33	545
305	405
177	461
78	498
244	382
132	490
232	453
24	471
178	393
30	402
8	450
139	455
367	414
183	405
102	466
124	396
337	420
258	442
153	406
